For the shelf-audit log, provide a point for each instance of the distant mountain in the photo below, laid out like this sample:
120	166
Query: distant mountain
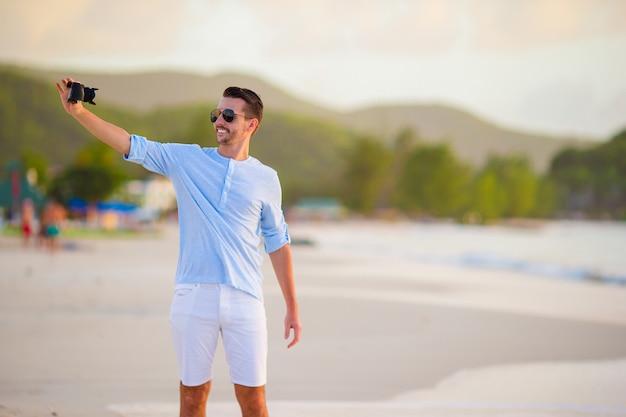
149	90
471	138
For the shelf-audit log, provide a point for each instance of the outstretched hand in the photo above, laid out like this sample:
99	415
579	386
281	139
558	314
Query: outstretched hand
64	92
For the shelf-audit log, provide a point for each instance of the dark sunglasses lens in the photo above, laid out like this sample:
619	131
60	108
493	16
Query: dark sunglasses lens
227	114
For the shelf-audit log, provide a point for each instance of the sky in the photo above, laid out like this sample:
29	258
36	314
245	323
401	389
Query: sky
546	66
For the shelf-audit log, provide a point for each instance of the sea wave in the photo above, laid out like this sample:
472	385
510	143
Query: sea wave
576	251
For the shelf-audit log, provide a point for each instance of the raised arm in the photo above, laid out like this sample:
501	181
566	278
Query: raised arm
114	136
283	268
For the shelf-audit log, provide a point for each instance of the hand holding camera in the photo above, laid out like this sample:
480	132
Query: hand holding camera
78	92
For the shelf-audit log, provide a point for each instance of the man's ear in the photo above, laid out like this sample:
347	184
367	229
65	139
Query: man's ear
253	125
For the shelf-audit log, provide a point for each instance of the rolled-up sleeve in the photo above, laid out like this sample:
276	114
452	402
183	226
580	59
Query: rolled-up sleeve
138	148
276	238
274	229
154	156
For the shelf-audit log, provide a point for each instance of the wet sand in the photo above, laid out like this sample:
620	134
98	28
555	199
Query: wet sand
85	332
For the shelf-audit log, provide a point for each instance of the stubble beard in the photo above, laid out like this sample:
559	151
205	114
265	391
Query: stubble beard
224	138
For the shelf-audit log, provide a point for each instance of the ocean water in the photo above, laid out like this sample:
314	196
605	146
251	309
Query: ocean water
571	250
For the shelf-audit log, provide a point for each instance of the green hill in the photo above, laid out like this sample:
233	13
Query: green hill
164	105
472	139
308	144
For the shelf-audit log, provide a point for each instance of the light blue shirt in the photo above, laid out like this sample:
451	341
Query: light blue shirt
224	208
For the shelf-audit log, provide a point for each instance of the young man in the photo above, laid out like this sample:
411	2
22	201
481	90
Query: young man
227	201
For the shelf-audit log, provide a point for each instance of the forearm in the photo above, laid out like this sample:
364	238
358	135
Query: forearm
283	268
114	136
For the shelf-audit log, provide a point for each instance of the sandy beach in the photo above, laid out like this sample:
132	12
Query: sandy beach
84	332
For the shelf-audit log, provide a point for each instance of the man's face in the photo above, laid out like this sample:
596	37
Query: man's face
228	133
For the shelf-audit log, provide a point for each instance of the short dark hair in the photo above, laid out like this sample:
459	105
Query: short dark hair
254	104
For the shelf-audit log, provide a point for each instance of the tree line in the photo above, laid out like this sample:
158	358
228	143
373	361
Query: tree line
427	180
419	179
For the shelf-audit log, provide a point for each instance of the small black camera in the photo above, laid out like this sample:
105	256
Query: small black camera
78	92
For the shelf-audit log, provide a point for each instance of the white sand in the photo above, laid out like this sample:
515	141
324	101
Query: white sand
85	332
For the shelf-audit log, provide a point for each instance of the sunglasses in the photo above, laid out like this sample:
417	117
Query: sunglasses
227	114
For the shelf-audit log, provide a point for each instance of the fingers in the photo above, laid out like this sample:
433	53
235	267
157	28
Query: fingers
73	107
297	331
62	85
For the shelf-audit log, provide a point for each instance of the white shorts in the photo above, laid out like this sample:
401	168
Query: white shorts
199	312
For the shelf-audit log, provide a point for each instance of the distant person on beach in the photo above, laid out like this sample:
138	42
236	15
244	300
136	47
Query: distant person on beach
52	217
27	217
227	202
